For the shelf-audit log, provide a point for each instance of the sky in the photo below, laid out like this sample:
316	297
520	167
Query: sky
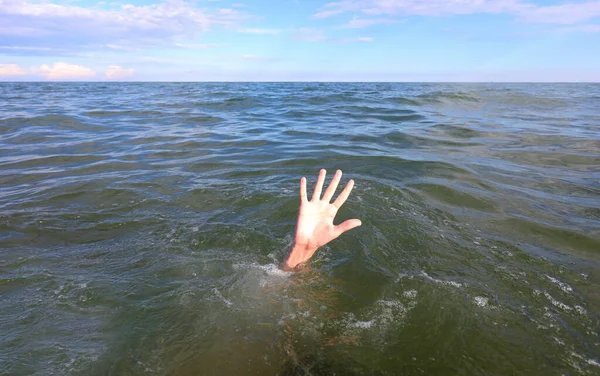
300	40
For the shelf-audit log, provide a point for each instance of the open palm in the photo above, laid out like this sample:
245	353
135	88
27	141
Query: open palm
315	226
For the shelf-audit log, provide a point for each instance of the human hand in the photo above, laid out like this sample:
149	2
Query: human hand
315	227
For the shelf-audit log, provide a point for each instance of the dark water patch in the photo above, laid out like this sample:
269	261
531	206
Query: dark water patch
455	197
32	161
6	128
149	141
575	241
399	138
188	145
457	131
57	121
387	118
332	99
202	119
518	97
363	110
166	154
30	138
295	114
109	167
228	104
127	113
405	101
295	132
440	96
580	162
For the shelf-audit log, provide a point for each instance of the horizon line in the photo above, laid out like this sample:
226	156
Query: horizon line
311	81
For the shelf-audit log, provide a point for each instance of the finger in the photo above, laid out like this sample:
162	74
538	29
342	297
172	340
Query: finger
303	189
344	195
332	186
346	226
319	186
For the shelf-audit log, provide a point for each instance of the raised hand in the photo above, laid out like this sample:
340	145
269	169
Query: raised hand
315	227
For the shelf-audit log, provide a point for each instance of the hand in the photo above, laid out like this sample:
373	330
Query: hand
315	227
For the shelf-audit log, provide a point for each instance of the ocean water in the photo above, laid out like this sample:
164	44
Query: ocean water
142	225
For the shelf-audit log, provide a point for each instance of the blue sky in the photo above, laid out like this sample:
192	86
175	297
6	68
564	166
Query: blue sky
300	40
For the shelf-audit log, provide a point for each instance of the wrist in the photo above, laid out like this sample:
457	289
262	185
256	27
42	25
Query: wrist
299	254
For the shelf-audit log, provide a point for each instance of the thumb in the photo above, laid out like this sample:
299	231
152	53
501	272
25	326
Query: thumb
346	225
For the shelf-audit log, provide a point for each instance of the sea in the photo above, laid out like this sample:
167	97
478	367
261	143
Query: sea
142	227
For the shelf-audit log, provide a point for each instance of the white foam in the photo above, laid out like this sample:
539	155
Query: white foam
390	311
270	269
391	303
227	302
591	362
559	341
447	283
480	301
563	286
291	316
556	303
362	324
382	315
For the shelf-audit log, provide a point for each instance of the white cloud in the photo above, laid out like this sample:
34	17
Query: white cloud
570	13
153	59
259	31
25	48
58	71
310	35
115	72
359	23
12	30
119	47
9	70
199	45
584	28
257	57
317	35
51	24
64	71
566	13
328	13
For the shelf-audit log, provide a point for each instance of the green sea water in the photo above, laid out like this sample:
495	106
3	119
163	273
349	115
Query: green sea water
142	226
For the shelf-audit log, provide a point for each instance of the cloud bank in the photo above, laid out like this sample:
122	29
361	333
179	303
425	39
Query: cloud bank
63	71
39	23
115	72
11	70
566	13
316	35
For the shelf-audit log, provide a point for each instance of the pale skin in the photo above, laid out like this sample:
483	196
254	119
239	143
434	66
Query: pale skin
314	227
